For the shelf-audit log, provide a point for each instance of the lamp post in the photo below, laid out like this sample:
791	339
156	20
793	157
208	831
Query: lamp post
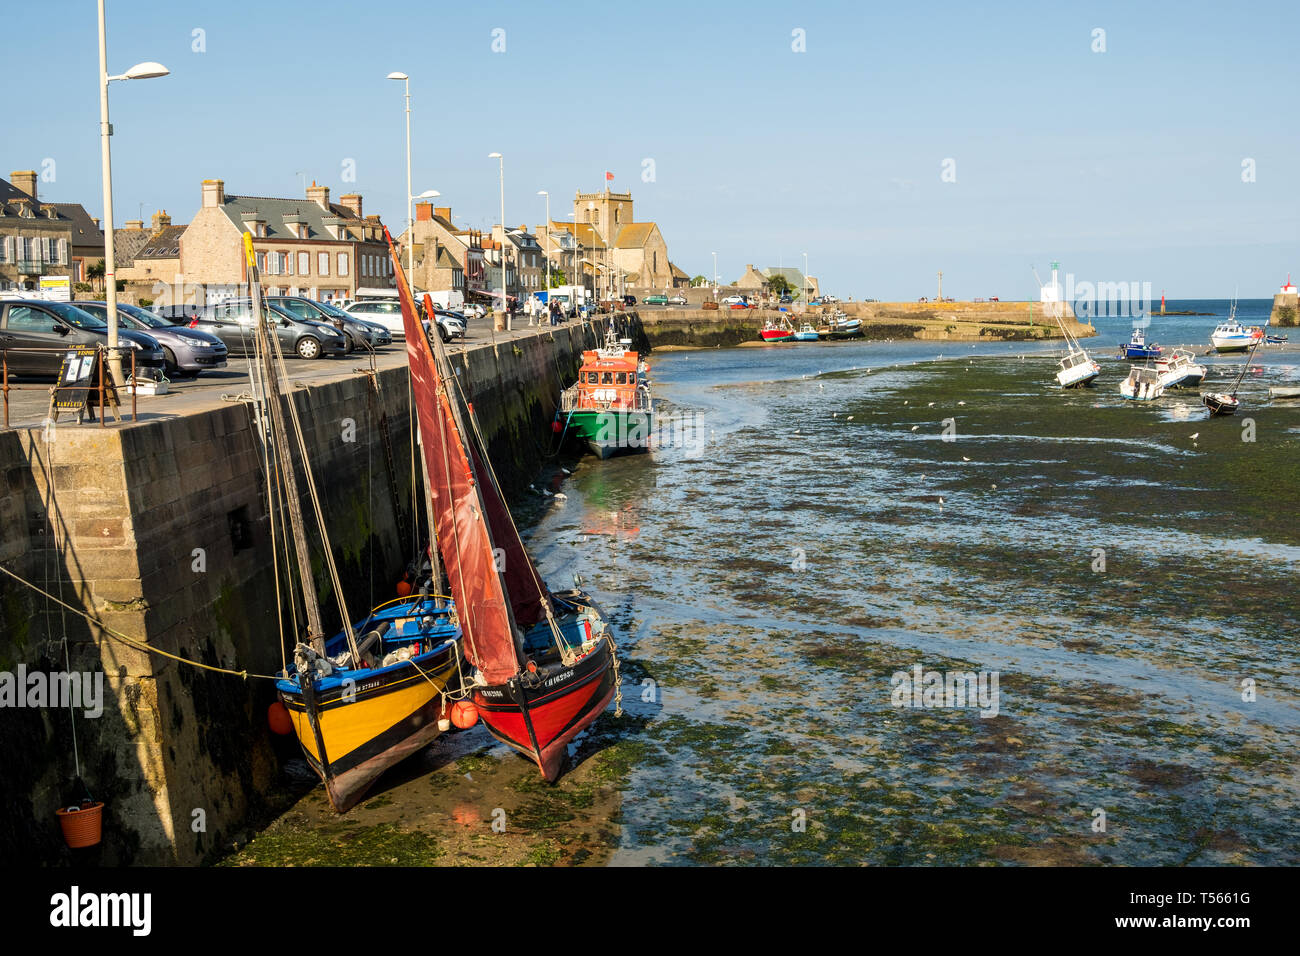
715	275
141	71
546	242
504	298
803	299
410	235
410	215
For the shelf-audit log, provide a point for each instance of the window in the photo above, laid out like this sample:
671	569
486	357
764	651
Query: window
261	262
23	318
343	263
593	378
622	378
286	261
323	263
304	263
6	249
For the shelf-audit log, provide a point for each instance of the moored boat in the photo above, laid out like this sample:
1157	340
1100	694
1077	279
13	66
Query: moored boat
845	328
1138	348
545	664
1142	384
1227	403
357	716
1077	369
1231	336
1179	369
807	333
610	406
777	330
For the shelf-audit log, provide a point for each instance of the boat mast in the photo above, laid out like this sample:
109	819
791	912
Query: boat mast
271	380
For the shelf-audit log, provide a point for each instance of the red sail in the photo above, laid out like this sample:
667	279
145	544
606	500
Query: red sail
524	585
464	539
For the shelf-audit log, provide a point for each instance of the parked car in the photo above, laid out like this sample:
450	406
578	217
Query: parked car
362	334
733	299
787	299
41	324
678	299
629	300
232	322
186	351
656	298
388	313
473	310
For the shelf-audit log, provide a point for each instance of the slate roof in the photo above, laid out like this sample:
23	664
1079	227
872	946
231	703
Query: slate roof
163	244
272	212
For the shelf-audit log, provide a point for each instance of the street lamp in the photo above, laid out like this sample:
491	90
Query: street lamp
803	299
141	71
504	308
410	215
546	242
715	275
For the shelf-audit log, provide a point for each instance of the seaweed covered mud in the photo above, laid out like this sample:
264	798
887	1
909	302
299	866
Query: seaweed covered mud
880	606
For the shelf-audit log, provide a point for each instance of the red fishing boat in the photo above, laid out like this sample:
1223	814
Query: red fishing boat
546	665
777	330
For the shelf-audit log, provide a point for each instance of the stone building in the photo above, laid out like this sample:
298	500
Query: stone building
309	247
446	257
639	254
43	239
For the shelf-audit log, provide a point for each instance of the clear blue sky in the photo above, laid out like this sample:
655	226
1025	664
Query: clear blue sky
1125	165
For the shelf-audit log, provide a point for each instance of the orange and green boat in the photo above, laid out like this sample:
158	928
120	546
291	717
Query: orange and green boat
609	407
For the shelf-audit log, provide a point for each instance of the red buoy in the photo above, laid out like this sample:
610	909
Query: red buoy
555	426
464	714
404	586
277	715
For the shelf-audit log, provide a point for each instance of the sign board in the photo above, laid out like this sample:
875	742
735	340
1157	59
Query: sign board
56	288
77	387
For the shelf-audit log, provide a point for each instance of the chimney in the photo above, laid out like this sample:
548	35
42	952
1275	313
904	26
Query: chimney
95	220
352	201
443	212
135	224
160	219
423	212
24	179
320	195
214	193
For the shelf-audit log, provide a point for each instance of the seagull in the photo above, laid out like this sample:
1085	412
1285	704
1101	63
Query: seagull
961	403
566	471
964	458
850	418
1196	436
931	405
994	487
915	427
904	401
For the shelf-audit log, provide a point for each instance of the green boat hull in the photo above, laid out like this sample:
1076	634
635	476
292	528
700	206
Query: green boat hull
612	433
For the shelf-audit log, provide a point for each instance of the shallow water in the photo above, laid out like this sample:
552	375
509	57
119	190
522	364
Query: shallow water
768	576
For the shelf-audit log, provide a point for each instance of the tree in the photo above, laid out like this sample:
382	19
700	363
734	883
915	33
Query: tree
779	285
699	281
95	271
556	278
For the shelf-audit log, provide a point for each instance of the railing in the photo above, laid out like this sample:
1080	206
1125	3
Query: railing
99	388
572	400
32	267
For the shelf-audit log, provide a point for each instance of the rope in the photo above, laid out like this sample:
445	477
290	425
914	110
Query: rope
131	641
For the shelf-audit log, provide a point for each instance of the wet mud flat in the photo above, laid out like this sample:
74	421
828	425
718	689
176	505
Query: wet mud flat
770	580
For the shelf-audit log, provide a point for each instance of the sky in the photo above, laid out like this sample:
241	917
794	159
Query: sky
886	141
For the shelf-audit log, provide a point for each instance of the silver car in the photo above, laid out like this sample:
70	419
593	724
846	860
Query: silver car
186	351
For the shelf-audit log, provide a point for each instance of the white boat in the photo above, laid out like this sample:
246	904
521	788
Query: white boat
1077	369
1142	384
1232	336
1179	370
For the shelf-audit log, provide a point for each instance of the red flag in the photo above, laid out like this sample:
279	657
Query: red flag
608	176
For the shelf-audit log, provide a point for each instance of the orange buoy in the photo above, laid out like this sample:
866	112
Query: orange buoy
464	714
404	586
277	715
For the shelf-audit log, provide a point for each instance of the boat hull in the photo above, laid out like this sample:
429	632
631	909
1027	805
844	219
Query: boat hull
806	337
1228	344
609	433
365	727
1134	352
542	717
776	335
1220	404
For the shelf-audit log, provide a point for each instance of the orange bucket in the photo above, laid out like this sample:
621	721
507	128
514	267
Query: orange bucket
82	825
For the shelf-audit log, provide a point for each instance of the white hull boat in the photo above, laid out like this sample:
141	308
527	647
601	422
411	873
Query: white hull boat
1142	385
1179	370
